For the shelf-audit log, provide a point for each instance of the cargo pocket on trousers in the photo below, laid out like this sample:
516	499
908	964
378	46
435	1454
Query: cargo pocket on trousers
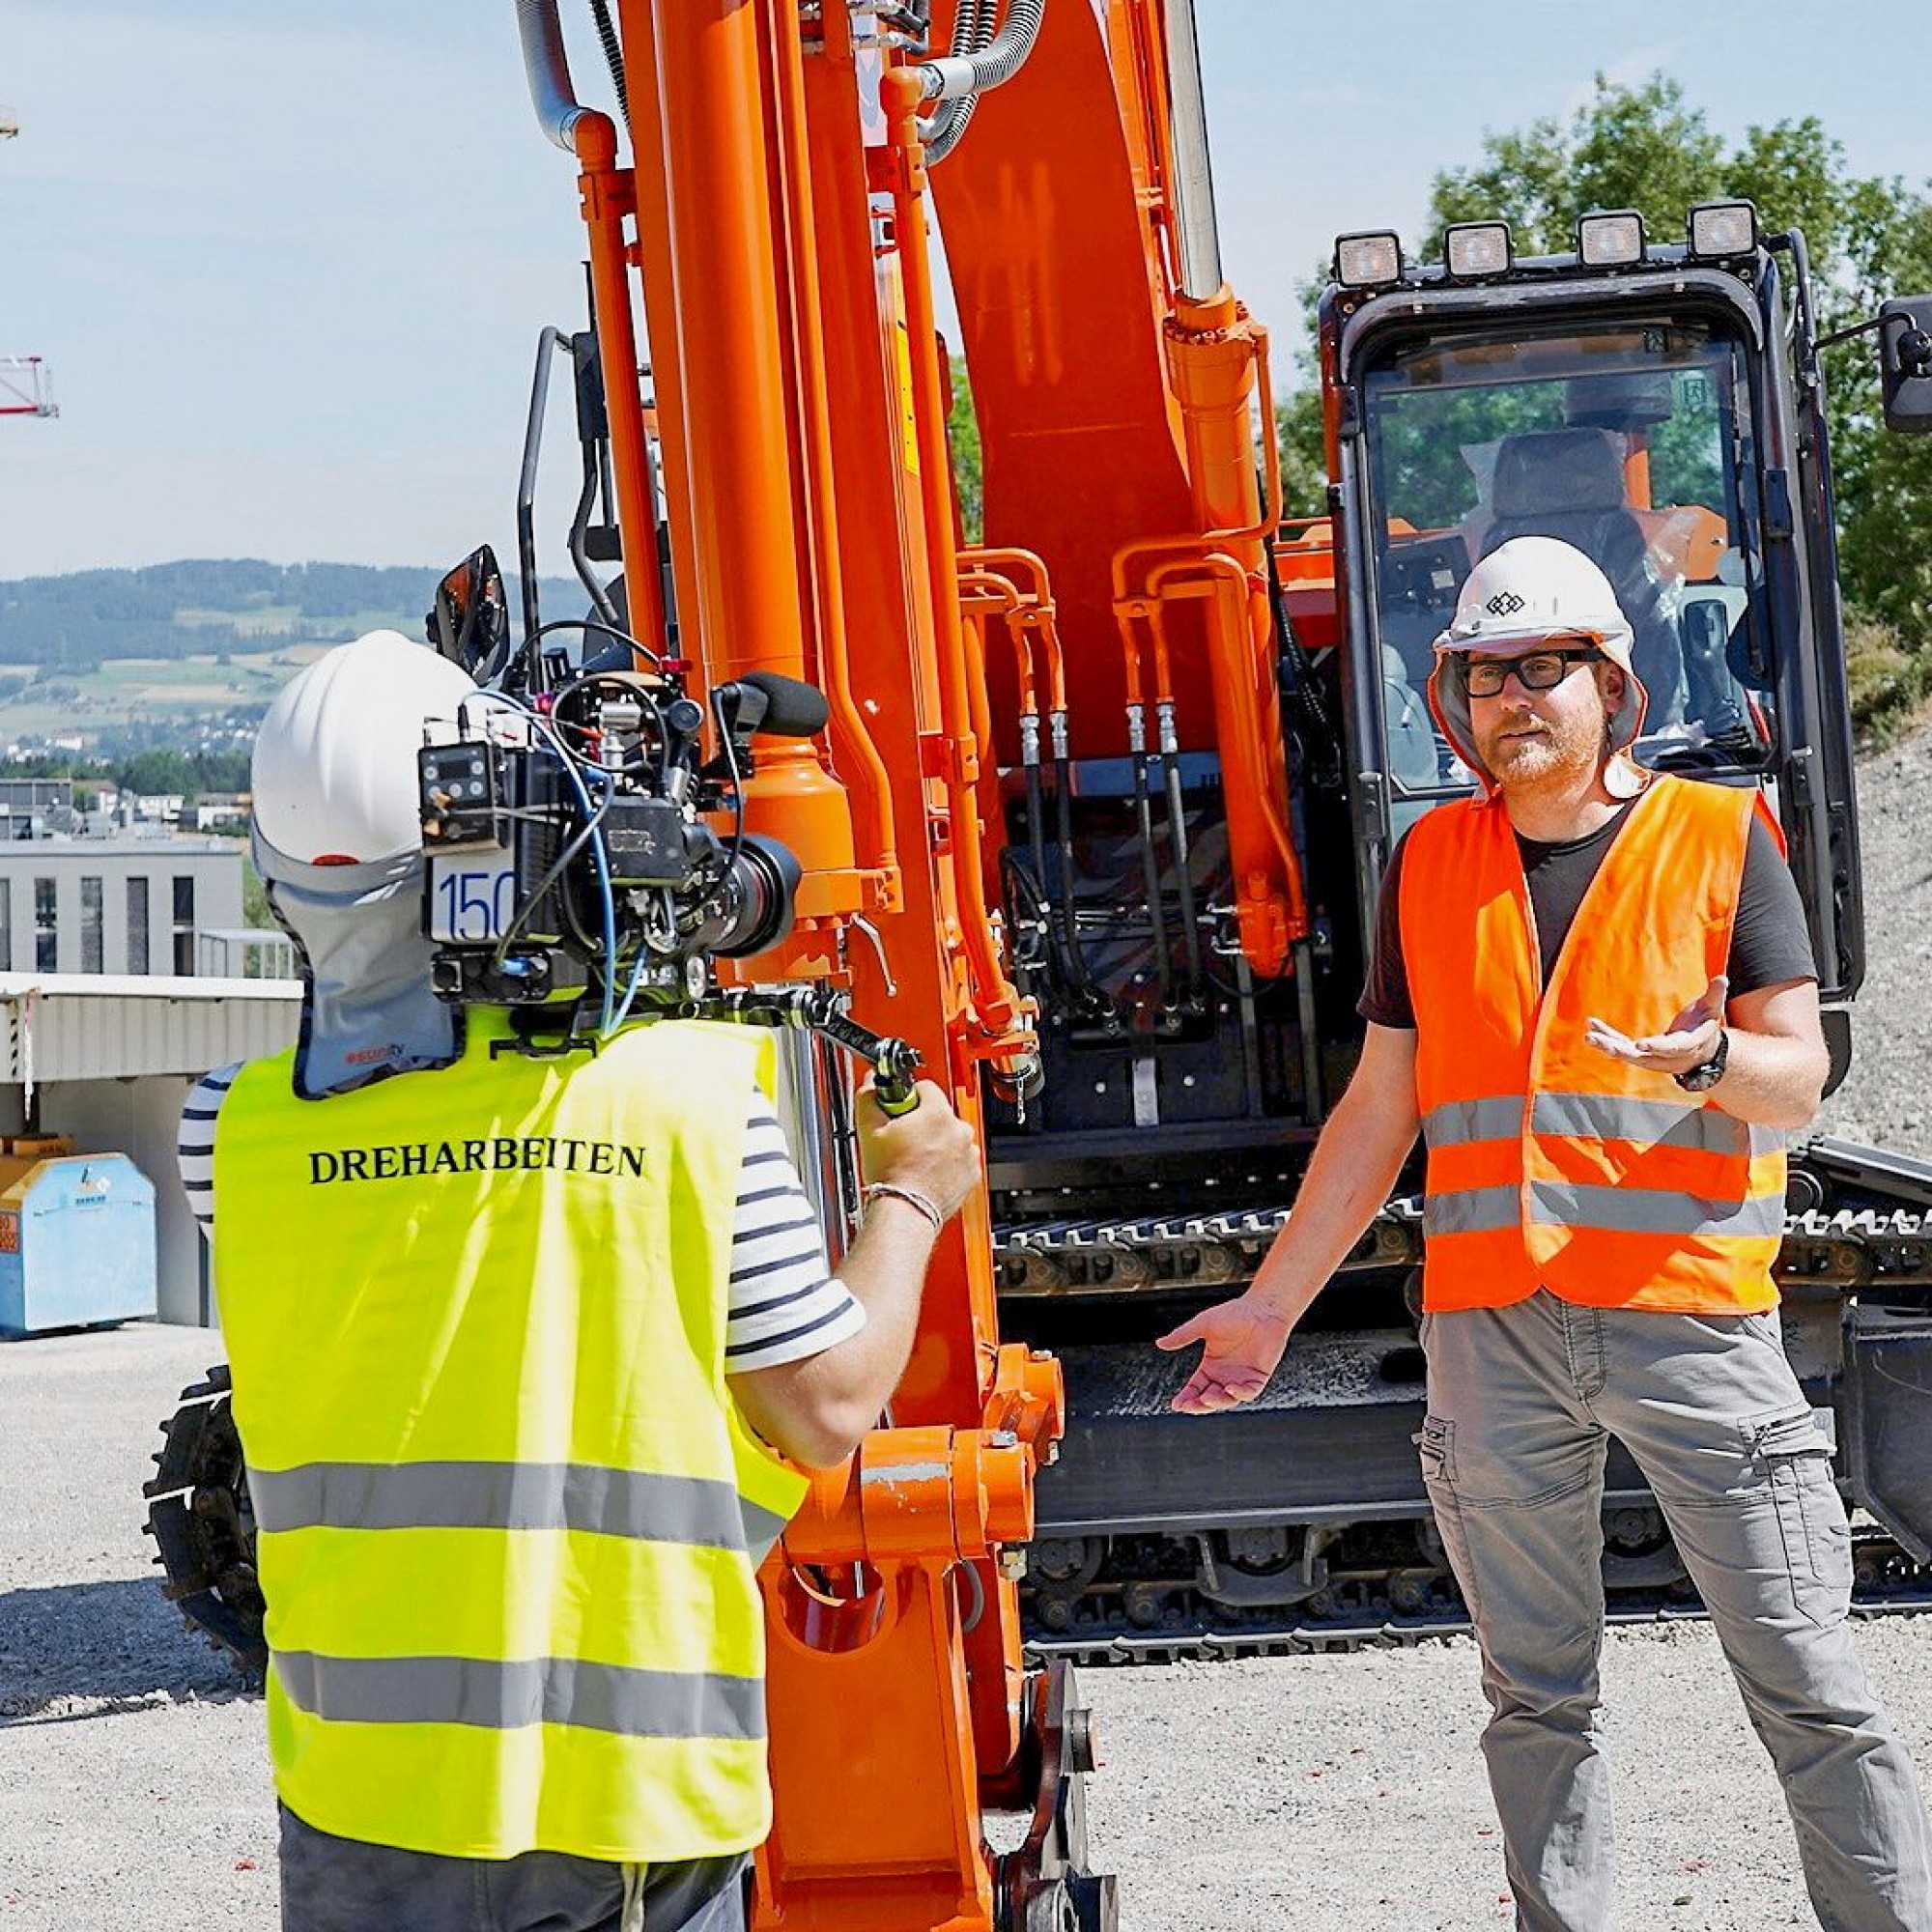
1796	1459
1435	1446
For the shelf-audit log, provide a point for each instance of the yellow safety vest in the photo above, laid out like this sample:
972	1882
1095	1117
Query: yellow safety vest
508	1514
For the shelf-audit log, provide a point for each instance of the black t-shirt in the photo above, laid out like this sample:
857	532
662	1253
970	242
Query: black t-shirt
1768	941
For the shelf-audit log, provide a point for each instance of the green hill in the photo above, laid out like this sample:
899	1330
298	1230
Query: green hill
218	607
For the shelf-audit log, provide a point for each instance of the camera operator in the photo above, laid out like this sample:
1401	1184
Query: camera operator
526	1351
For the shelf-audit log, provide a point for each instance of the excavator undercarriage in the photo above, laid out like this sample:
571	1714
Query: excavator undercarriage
1303	1525
1306	1526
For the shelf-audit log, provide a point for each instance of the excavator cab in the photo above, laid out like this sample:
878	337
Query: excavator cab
1661	408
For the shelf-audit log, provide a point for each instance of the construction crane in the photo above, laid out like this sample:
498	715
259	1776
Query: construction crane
26	387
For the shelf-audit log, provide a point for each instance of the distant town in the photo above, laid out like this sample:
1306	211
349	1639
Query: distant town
98	668
128	705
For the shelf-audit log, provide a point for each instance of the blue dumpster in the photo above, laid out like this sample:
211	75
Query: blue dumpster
76	1237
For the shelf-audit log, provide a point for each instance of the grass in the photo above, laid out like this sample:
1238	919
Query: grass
1891	680
123	689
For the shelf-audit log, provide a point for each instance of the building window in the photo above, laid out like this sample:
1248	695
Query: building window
185	925
137	927
6	925
47	927
92	959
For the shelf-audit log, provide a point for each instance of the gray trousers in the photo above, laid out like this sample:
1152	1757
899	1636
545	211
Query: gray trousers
1522	1401
342	1885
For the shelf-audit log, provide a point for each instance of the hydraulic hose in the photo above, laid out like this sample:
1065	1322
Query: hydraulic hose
1178	854
546	68
972	30
614	57
1163	960
1093	995
958	76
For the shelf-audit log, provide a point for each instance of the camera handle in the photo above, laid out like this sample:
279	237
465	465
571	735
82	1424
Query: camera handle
894	1062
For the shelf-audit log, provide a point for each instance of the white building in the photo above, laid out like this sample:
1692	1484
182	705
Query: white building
115	905
217	812
35	808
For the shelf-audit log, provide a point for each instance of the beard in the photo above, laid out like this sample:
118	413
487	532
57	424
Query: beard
1528	752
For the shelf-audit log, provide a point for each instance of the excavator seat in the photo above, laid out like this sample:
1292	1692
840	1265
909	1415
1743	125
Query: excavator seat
1569	484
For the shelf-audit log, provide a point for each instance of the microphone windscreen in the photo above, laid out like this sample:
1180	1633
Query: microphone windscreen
792	710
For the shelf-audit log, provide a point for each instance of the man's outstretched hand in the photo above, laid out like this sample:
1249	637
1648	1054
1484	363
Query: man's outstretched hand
1244	1343
1689	1039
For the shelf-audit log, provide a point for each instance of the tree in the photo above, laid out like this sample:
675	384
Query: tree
158	774
1626	147
962	439
1304	455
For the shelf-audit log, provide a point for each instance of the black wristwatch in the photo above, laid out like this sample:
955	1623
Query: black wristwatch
1706	1074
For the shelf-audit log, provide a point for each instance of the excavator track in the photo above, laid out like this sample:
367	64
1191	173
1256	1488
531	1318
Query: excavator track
1865	1247
1887	1583
1332	1584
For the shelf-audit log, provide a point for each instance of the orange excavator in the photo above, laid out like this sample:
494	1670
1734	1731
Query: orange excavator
774	208
1098	814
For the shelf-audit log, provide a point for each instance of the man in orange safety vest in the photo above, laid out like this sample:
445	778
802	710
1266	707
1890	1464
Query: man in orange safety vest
1593	994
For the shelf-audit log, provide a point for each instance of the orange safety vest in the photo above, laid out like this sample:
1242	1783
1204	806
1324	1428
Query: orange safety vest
1551	1164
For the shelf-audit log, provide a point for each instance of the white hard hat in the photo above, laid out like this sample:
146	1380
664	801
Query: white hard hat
1523	594
334	771
1531	589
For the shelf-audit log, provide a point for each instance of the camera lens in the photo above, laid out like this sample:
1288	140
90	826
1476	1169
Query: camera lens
754	906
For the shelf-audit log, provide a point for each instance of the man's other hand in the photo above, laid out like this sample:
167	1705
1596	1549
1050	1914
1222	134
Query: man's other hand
929	1149
1244	1344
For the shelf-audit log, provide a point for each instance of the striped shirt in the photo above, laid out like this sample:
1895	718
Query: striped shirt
785	1304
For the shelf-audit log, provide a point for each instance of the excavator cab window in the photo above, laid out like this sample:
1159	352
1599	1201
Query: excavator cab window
1632	441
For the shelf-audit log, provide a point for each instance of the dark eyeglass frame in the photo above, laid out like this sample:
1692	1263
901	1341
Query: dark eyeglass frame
1502	670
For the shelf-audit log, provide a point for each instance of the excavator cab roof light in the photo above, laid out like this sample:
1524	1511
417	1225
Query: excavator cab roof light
1372	259
1474	249
1718	228
1610	238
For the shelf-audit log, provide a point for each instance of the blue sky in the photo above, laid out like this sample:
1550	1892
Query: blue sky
288	263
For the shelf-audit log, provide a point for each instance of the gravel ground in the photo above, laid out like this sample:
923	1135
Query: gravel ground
1318	1791
1313	1791
133	1777
1886	1098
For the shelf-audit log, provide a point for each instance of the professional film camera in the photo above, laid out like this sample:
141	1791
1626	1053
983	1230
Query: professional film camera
568	827
571	824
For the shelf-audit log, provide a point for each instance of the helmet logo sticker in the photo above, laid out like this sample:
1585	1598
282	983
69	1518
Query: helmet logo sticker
1504	604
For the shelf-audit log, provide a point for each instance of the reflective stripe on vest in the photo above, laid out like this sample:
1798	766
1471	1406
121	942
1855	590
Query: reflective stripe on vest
530	1691
1550	1163
509	1516
1603	1117
1638	1210
511	1495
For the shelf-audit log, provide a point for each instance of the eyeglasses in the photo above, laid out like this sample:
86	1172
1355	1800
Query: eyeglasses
1540	670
